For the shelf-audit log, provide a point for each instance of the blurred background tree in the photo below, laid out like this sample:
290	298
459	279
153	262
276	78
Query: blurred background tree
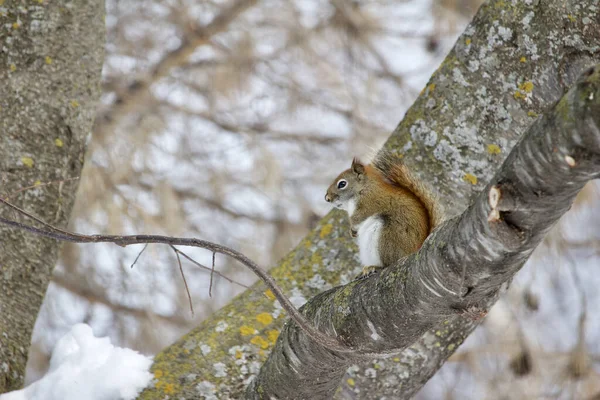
231	132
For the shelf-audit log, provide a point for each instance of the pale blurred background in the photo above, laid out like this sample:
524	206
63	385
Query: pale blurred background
235	142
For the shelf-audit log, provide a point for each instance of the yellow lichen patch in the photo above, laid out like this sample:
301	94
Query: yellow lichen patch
260	342
523	59
526	86
316	259
493	149
468	41
27	161
58	142
532	114
270	294
16	25
396	359
264	318
13	67
37	183
48	60
273	335
238	355
431	87
325	230
158	373
246	330
472	179
169	388
571	18
350	381
74	103
451	346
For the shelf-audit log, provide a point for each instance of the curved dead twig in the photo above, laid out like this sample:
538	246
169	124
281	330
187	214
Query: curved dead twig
123	241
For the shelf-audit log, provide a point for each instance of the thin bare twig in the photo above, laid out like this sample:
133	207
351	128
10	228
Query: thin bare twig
212	271
209	269
50	231
187	289
139	255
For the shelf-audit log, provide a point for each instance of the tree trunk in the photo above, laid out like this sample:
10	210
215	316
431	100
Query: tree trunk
511	64
50	68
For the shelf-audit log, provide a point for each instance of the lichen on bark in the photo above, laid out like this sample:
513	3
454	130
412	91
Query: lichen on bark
50	67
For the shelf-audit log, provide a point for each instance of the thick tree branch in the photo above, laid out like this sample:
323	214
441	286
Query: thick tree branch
461	266
50	68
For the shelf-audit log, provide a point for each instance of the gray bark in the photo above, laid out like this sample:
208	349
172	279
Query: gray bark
512	63
50	66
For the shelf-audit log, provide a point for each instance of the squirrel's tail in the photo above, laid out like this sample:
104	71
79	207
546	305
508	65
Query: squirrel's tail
393	169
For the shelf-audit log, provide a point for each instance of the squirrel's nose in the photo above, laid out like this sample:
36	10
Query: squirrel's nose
327	198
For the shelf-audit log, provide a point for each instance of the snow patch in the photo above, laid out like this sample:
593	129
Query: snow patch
86	367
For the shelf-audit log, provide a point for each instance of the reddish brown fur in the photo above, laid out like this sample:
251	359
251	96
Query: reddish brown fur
386	189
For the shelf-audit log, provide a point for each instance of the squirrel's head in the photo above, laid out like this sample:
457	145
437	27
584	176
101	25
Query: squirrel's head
346	186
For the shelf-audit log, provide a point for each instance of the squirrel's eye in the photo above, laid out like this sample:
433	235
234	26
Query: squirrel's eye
342	184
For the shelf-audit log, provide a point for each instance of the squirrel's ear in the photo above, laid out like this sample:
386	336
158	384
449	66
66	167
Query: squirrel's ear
357	167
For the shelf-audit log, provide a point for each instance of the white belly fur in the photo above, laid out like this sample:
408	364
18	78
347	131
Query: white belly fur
369	232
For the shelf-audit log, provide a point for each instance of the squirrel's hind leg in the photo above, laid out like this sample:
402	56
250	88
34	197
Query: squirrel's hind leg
369	270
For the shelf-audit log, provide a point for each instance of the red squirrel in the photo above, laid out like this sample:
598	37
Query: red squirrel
391	212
